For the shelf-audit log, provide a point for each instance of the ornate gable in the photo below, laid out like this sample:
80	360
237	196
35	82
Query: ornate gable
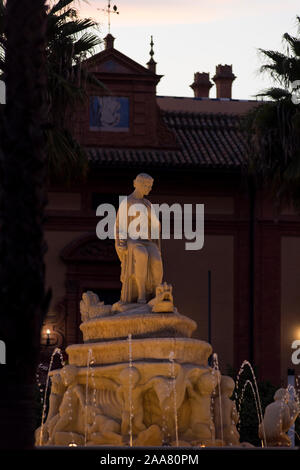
112	61
123	113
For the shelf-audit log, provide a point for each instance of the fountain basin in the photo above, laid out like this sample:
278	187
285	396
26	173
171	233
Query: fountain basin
143	325
186	350
93	376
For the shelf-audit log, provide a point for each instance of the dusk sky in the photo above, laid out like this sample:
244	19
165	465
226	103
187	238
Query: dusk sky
195	35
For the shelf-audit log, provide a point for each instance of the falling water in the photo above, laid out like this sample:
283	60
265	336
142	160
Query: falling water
92	363
89	358
70	412
212	427
297	382
172	365
44	400
130	388
166	411
38	380
217	369
240	400
260	413
294	393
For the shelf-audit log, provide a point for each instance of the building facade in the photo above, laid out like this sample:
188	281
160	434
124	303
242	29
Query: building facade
242	287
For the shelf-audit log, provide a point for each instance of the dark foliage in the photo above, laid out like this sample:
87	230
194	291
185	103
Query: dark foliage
273	128
23	176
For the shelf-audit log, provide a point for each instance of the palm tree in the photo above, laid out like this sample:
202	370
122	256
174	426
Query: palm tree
23	186
273	127
69	41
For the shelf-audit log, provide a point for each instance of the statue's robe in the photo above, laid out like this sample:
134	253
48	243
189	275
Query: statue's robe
129	292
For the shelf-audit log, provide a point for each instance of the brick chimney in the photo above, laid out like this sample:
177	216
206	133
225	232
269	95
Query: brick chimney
201	85
223	80
109	41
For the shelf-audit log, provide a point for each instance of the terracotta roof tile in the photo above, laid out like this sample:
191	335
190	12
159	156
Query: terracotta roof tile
205	140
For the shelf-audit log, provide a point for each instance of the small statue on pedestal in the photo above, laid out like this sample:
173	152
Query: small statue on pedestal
279	417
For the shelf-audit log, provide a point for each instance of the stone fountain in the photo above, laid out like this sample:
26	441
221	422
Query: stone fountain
139	378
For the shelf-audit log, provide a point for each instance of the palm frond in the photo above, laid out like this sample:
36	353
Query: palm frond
86	43
60	5
279	65
294	43
72	28
55	20
275	93
69	41
74	165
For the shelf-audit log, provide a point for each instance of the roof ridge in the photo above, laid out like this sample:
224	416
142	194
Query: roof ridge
202	113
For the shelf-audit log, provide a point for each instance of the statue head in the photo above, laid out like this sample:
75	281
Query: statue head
129	376
227	385
282	394
143	183
206	383
57	385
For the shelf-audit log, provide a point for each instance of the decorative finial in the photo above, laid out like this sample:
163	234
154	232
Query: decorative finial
109	11
152	64
151	50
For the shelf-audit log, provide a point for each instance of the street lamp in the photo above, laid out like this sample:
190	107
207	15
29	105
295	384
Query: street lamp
48	337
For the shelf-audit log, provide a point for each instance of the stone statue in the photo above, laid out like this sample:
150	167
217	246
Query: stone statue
199	390
279	417
140	256
225	413
57	391
163	301
130	394
71	411
102	429
91	307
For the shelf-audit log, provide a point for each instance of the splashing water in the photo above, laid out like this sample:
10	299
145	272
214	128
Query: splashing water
88	362
41	366
212	411
240	401
216	368
294	393
258	401
172	371
166	411
130	388
44	400
297	382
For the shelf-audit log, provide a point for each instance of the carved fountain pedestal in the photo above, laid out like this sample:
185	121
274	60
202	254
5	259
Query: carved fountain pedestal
138	379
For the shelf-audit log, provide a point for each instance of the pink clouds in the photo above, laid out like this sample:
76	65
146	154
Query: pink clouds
146	12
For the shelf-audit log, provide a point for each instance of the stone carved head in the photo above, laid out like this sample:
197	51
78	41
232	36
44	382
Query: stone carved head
57	385
282	394
129	376
143	183
227	385
206	384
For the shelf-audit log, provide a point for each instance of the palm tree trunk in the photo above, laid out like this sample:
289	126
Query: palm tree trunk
23	163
